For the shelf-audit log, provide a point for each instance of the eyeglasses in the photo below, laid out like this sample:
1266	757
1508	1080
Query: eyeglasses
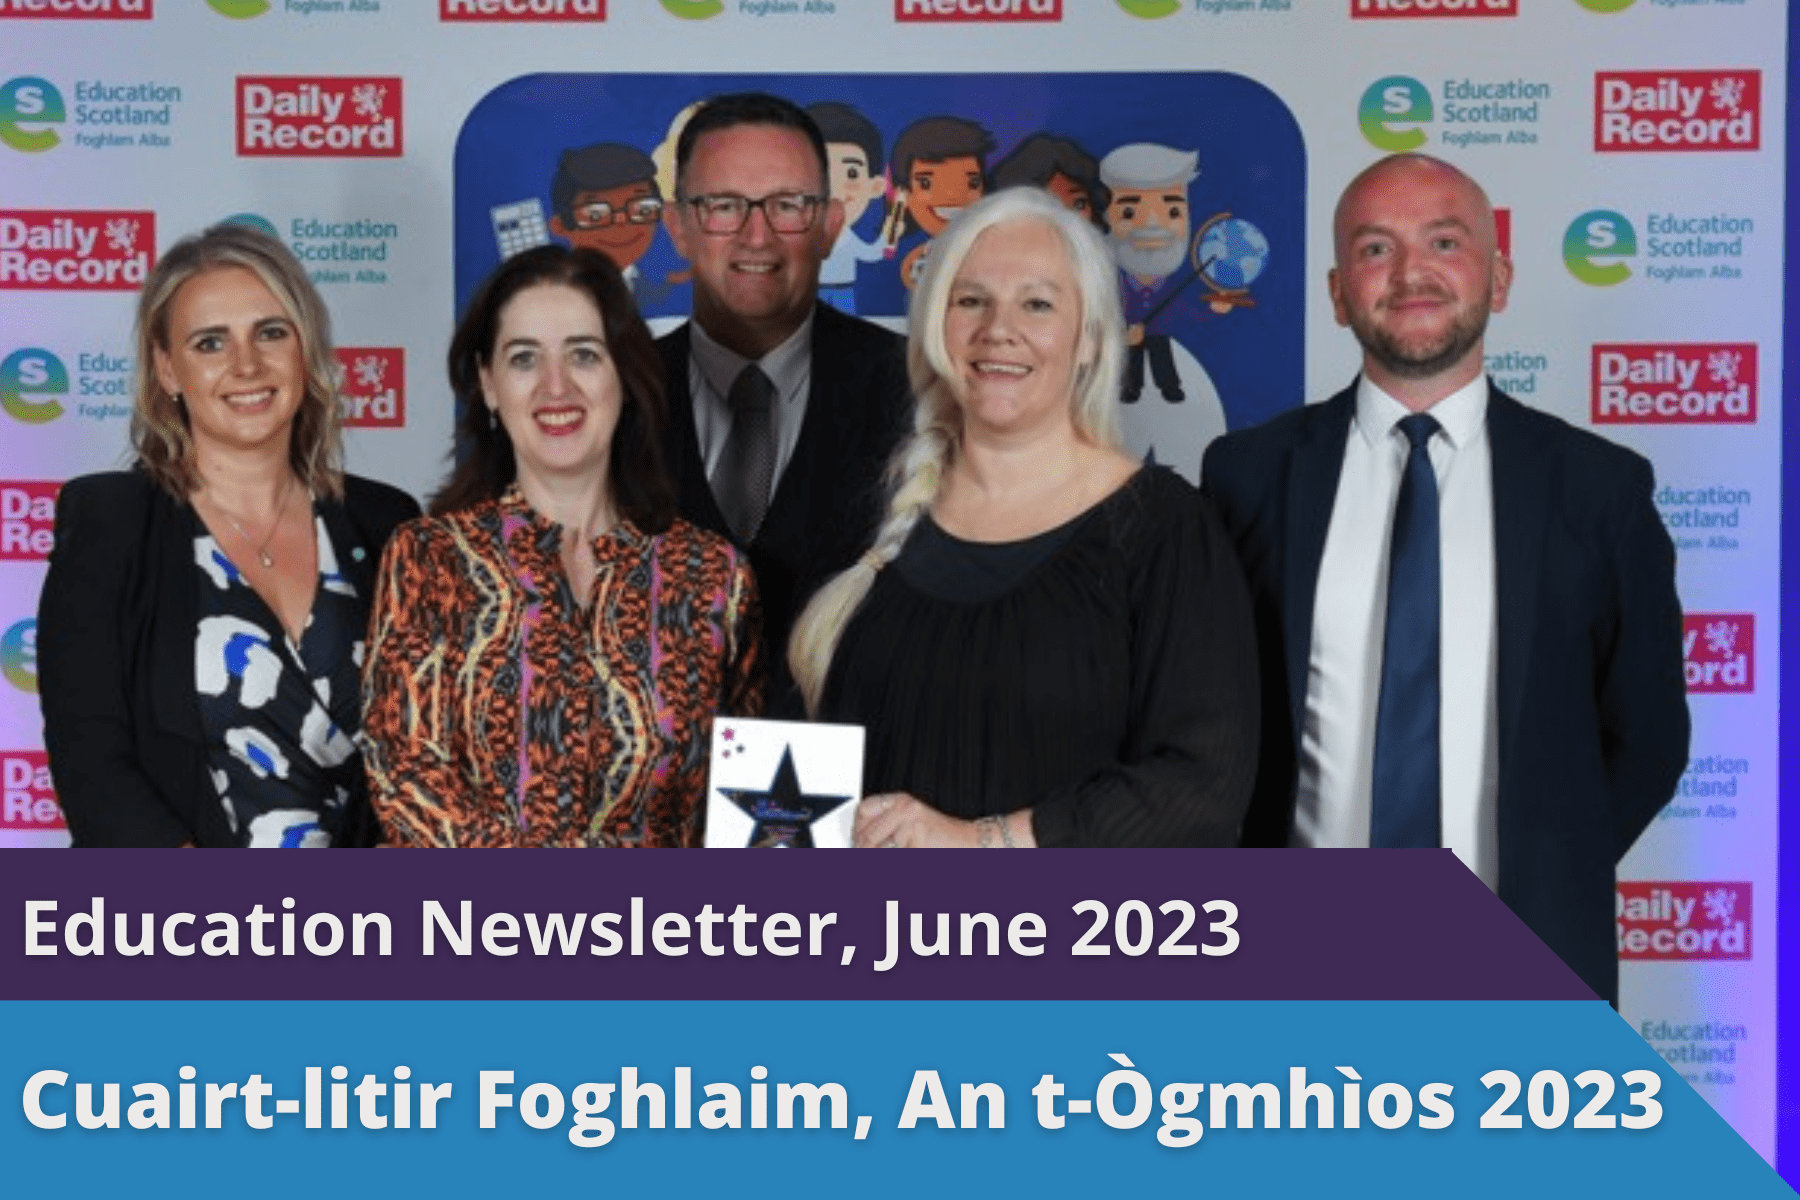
642	211
786	212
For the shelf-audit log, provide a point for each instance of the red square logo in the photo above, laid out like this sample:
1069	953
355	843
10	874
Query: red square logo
374	387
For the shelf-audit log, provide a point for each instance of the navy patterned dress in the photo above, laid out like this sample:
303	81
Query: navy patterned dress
279	716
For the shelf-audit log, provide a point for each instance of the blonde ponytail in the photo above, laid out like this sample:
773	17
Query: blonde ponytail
917	471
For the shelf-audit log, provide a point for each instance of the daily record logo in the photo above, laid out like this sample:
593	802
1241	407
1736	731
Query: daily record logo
32	385
1675	383
1683	921
80	10
374	387
1677	110
29	107
27	520
300	116
978	10
69	250
1366	10
1718	652
26	798
18	655
521	10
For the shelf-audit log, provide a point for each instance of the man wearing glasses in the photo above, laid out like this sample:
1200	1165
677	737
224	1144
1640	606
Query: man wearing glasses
783	411
606	199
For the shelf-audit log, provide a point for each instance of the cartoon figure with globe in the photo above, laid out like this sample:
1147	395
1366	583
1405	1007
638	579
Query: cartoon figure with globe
1149	224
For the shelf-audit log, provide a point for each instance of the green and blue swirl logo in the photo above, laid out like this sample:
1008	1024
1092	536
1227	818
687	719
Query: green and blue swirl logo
1606	6
1151	10
240	10
1595	244
252	220
27	105
31	384
18	656
694	10
1391	111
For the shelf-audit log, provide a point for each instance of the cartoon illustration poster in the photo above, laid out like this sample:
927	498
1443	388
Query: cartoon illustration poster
1197	179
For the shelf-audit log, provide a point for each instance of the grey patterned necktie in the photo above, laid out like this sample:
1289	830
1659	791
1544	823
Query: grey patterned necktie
746	471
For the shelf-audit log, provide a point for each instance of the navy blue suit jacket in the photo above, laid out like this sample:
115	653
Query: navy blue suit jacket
1593	721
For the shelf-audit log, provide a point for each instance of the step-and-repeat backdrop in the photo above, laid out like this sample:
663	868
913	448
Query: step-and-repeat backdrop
1633	147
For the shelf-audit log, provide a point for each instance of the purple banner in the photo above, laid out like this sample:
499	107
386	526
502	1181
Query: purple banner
560	924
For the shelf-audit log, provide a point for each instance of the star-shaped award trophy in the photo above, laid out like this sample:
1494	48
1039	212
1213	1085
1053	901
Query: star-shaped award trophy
783	814
756	798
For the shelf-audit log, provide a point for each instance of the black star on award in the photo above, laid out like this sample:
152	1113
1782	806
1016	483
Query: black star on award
756	798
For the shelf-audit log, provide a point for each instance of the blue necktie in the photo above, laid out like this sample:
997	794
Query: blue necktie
1405	811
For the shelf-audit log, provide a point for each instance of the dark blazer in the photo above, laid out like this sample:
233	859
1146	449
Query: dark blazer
116	627
829	500
1593	720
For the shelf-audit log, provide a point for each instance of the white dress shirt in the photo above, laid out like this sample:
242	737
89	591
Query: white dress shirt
712	369
1343	684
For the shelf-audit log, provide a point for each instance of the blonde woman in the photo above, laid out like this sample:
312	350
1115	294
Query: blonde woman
200	631
1049	643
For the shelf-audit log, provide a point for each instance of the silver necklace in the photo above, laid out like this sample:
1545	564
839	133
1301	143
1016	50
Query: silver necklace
262	551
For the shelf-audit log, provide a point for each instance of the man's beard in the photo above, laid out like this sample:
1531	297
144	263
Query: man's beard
1150	264
1421	360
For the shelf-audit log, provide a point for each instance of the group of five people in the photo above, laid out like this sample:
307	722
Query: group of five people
1417	614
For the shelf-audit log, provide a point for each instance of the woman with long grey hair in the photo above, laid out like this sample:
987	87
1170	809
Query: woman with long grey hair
1049	643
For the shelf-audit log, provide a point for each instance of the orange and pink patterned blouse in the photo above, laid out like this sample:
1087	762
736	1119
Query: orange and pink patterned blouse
499	711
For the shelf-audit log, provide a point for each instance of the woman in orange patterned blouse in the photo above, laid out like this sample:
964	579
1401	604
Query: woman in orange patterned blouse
548	648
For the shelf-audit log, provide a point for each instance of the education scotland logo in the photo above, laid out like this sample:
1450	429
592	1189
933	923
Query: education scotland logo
307	116
74	250
1151	10
521	10
18	655
1674	383
1683	921
27	800
1718	652
106	115
1391	111
1677	110
32	384
27	520
373	392
1367	10
1679	247
1472	112
978	10
1596	245
29	109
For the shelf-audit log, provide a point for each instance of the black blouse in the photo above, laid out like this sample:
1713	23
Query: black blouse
1102	674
